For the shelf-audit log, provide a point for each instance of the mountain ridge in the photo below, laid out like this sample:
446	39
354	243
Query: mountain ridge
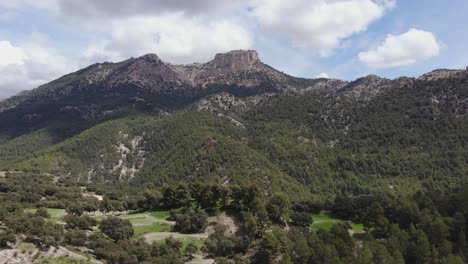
143	121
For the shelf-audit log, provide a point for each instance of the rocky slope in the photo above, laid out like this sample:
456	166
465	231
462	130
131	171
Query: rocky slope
145	84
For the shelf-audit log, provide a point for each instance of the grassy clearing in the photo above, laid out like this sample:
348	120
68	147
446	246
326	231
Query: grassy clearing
56	215
160	214
324	225
146	222
324	217
326	221
197	242
357	228
155	227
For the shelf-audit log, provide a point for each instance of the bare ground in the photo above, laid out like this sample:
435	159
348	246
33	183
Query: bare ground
20	255
163	235
200	260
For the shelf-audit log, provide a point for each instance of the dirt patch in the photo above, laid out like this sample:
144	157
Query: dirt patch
28	254
229	221
138	219
163	235
99	197
200	260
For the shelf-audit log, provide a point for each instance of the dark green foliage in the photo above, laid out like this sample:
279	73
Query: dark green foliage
190	221
116	228
6	237
220	244
301	219
151	200
273	243
175	197
75	237
74	209
191	249
136	251
42	212
278	208
209	197
375	220
37	230
84	222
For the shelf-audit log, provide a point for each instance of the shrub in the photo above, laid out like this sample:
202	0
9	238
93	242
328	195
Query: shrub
81	222
190	221
301	219
75	237
116	228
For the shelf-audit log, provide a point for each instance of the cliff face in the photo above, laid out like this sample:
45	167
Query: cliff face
234	60
238	67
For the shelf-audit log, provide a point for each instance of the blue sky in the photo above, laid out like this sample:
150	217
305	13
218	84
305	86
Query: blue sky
344	39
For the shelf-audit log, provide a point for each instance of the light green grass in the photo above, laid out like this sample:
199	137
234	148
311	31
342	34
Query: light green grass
56	215
357	228
26	247
323	217
198	242
326	221
323	225
144	223
140	220
155	227
160	214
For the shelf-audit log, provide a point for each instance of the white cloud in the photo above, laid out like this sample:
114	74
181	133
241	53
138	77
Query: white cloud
318	26
39	4
399	50
174	37
323	75
29	64
124	8
10	54
178	31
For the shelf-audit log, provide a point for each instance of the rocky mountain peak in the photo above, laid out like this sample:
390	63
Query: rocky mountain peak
235	60
367	87
147	71
443	74
151	57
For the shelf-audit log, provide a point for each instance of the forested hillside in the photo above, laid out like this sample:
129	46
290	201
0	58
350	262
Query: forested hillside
298	170
408	137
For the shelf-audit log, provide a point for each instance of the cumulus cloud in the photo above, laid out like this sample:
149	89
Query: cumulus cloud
17	4
318	26
174	37
179	31
123	8
28	65
400	50
323	75
10	54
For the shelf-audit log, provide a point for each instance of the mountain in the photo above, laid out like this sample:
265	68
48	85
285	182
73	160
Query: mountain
235	119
